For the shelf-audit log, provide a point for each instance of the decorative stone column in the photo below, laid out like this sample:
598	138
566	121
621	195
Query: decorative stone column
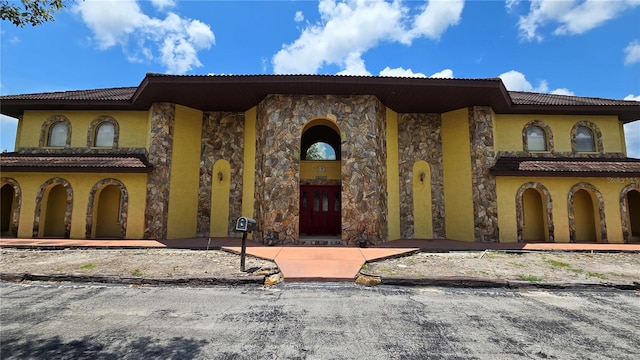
222	138
420	139
158	181
485	204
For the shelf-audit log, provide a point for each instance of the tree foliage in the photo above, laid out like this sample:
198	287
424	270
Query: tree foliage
30	12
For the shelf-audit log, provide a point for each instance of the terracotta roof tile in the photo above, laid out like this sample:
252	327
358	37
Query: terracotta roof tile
109	94
74	163
527	98
567	167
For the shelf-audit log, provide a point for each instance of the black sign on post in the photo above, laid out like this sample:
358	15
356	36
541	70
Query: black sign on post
245	225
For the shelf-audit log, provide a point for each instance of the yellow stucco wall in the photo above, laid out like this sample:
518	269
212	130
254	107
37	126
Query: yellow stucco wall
185	173
422	214
458	196
81	184
133	127
610	188
393	176
508	131
312	169
220	188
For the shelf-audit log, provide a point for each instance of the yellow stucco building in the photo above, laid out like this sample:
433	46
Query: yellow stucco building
320	160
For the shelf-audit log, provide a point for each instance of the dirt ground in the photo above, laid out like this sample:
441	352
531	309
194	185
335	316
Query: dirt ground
174	263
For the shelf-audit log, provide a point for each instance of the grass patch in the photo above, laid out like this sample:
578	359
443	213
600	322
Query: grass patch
597	275
365	267
483	272
530	278
87	266
556	263
136	272
577	271
517	264
387	271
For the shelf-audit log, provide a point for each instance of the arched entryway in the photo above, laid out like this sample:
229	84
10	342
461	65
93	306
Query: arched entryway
533	216
54	203
630	210
107	210
10	198
534	213
586	214
320	180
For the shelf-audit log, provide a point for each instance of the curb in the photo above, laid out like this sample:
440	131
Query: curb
480	283
114	279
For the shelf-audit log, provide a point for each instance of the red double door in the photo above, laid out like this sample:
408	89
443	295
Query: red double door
320	209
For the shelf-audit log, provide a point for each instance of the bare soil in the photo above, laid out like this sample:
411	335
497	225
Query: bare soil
175	263
527	266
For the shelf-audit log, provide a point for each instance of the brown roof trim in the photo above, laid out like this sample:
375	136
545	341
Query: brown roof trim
567	167
242	92
85	163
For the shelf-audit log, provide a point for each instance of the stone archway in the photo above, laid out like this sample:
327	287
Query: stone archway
630	211
54	218
11	204
108	210
542	211
586	211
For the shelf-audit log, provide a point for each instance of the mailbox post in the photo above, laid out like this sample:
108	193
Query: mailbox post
244	225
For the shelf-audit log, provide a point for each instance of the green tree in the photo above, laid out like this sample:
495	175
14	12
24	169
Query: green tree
30	12
315	152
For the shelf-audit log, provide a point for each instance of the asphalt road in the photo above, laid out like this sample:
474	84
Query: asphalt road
314	321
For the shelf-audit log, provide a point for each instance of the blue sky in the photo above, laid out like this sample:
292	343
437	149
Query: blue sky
575	47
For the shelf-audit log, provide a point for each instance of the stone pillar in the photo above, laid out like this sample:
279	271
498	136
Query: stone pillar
364	171
222	138
158	181
420	139
485	204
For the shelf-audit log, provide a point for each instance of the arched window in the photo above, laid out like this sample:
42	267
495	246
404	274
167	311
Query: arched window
536	139
584	140
104	135
57	136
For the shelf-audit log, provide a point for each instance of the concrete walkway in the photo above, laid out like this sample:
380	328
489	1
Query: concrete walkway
319	263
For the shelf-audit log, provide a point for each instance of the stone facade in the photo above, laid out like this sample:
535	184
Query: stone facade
420	139
222	139
624	210
485	205
361	119
160	150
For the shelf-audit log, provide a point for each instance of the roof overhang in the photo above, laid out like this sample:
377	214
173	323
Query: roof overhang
567	167
239	93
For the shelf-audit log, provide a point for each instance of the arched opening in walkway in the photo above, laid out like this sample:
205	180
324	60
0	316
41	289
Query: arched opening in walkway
633	207
54	210
9	203
535	227
320	179
585	215
108	224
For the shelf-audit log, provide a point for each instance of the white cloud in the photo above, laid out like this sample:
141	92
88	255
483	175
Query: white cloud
632	53
562	91
569	16
632	137
174	41
444	74
347	29
436	18
8	129
632	97
163	4
516	81
400	72
299	17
